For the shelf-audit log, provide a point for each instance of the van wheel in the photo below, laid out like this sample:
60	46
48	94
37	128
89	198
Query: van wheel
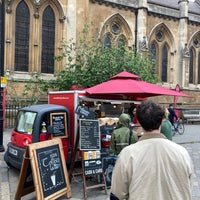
6	159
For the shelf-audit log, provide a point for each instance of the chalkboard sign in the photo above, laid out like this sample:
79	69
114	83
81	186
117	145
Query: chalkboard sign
48	171
92	167
84	113
59	123
89	135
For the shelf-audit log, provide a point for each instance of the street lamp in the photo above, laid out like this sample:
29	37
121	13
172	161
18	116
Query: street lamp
2	72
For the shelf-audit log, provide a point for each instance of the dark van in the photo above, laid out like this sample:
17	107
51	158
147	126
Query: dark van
34	124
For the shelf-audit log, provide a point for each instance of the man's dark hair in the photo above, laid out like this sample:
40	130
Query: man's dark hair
150	115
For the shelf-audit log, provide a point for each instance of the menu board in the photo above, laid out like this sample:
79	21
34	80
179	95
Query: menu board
50	169
59	123
89	135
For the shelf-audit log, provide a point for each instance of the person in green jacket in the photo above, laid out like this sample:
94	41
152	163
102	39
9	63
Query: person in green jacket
166	127
121	135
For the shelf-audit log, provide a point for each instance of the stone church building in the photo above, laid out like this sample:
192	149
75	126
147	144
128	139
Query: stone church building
169	30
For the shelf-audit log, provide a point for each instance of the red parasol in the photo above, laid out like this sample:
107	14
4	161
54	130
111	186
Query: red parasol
127	84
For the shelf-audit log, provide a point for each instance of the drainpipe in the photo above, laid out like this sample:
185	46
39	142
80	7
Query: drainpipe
136	30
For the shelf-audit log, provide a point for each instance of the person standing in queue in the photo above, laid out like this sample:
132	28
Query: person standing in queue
154	168
166	128
122	136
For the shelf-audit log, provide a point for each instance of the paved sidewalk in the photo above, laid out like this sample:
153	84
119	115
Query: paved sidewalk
9	177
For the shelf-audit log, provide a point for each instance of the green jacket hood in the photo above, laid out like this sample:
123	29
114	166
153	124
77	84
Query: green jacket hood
124	121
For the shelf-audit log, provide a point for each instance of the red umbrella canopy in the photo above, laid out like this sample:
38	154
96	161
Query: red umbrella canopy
127	84
125	75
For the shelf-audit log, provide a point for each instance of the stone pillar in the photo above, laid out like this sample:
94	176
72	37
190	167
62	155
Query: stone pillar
142	40
183	38
71	20
186	71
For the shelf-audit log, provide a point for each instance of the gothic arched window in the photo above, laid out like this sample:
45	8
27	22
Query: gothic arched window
198	78
191	66
22	26
107	41
153	52
116	33
153	55
164	63
121	41
48	41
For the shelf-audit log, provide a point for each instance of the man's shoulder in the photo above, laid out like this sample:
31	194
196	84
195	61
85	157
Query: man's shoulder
174	147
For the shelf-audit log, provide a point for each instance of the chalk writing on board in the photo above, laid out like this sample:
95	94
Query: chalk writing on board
93	167
89	135
58	121
51	171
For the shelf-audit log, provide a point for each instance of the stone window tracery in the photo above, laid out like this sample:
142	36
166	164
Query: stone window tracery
116	32
194	59
108	40
37	28
162	52
114	36
121	41
160	36
115	29
196	42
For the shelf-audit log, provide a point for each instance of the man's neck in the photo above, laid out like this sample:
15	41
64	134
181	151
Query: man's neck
152	132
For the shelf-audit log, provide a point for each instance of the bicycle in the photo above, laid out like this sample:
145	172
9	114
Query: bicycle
178	127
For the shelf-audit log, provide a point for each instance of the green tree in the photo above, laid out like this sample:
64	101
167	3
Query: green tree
90	62
92	65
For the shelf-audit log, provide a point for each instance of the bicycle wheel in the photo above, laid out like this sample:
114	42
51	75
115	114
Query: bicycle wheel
180	128
173	130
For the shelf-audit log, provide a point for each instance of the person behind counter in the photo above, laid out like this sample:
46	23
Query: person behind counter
132	113
122	136
154	168
166	128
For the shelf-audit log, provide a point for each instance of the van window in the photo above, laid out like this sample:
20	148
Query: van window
25	121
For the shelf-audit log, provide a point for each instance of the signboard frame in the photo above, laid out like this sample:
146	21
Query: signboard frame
32	158
58	114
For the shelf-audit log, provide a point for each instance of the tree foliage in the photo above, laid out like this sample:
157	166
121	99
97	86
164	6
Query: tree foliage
90	62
